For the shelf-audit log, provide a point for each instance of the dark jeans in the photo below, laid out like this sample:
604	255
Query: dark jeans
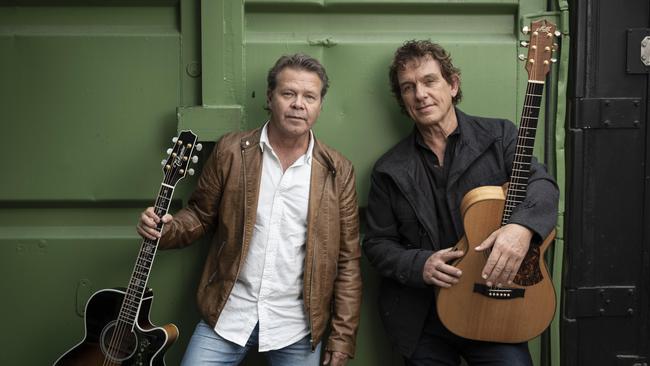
438	346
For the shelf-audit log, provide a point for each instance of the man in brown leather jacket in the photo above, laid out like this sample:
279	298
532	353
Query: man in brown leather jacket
284	259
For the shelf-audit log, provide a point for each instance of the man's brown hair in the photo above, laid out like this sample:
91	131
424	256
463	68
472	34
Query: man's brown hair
413	50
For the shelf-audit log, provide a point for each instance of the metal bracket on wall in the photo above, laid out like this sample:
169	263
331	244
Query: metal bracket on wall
638	51
210	122
586	302
609	112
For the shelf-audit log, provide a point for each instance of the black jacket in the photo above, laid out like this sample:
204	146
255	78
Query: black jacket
401	217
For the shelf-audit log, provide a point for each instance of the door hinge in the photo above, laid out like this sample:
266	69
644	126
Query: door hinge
611	301
609	113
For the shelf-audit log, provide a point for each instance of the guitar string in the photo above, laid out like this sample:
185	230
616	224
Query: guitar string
517	178
121	327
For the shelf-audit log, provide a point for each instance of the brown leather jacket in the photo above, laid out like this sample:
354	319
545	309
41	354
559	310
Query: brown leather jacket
225	200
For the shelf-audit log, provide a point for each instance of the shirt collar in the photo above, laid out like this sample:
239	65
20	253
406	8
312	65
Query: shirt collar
265	144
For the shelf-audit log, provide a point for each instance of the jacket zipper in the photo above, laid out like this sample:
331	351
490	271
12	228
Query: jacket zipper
243	235
311	277
243	161
311	296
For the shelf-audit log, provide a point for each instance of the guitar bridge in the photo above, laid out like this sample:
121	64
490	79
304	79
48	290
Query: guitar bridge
499	293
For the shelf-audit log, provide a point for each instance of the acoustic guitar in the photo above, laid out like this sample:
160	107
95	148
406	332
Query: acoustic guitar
117	326
522	311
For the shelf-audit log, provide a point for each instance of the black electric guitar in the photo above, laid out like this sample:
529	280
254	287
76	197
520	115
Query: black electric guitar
118	329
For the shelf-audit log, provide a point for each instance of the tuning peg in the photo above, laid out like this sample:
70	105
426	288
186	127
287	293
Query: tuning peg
557	33
174	139
521	57
198	147
169	151
553	60
195	159
163	162
525	30
523	44
190	171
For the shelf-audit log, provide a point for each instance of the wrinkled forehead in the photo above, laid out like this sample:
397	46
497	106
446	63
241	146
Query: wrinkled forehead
292	71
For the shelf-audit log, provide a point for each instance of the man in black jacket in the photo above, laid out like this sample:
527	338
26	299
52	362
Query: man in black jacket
414	210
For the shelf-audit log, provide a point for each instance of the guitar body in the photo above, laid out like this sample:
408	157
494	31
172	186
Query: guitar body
118	330
509	314
146	345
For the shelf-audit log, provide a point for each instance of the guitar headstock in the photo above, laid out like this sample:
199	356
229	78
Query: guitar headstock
175	167
540	48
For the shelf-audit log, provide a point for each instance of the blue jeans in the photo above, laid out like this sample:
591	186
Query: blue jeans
208	348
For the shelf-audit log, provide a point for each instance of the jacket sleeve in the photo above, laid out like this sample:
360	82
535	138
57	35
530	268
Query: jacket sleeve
382	244
200	214
347	285
538	211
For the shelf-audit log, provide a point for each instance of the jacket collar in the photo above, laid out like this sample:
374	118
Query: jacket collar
402	164
252	139
252	158
474	140
321	168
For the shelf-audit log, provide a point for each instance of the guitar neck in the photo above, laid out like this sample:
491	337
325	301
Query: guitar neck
140	276
524	148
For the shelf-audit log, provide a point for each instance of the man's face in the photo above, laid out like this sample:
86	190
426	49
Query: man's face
426	94
295	103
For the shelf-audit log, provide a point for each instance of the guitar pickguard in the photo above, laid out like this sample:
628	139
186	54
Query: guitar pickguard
529	272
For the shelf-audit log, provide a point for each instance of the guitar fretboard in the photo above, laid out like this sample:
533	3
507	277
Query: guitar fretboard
140	276
524	149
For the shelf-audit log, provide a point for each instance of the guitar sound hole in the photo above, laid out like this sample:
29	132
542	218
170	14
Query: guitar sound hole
118	342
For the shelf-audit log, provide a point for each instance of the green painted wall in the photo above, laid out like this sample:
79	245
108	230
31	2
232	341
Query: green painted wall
92	91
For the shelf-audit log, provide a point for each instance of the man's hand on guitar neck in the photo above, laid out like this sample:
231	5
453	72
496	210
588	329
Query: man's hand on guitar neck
436	270
147	226
509	247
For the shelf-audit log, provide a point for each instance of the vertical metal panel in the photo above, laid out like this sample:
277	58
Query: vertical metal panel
607	253
221	71
77	84
88	94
